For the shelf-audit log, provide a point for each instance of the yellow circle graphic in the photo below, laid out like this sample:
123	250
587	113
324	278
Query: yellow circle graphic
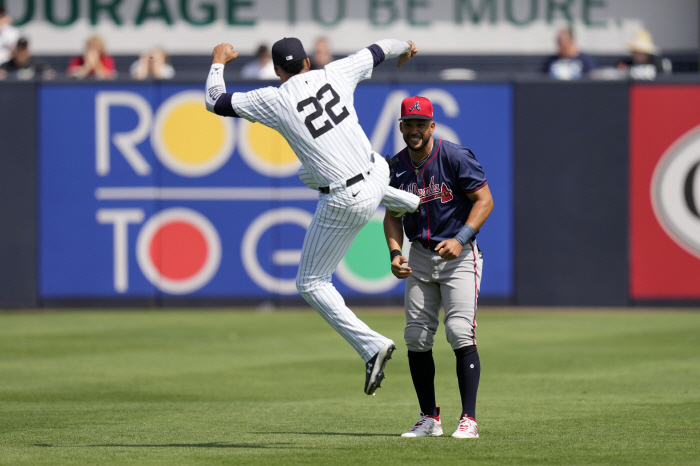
193	135
188	139
265	150
269	145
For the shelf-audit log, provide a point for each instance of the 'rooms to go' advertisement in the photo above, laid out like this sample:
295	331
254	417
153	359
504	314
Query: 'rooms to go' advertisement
145	193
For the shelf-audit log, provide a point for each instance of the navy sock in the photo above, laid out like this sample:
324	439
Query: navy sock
423	375
468	372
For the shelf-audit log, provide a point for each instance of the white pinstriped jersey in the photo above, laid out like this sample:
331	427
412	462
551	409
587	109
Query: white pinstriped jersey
314	112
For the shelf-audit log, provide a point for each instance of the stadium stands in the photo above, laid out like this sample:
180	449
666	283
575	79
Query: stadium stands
497	67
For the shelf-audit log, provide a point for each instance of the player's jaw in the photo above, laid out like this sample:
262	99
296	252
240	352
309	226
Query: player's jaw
415	140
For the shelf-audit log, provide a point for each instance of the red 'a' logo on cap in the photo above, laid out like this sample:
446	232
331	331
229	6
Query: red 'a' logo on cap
416	106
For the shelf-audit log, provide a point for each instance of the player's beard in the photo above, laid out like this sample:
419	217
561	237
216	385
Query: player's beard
425	139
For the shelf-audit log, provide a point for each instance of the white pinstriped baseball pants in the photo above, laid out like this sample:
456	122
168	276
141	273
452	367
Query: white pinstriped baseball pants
393	198
339	216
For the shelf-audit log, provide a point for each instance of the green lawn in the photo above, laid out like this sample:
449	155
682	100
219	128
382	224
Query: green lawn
198	387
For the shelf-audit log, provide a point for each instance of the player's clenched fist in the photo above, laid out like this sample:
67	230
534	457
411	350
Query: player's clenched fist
223	53
449	249
398	268
407	55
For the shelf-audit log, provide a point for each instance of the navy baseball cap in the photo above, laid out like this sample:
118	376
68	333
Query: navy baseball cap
286	50
416	107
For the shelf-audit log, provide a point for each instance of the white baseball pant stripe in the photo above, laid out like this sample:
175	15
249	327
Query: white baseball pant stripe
339	216
435	282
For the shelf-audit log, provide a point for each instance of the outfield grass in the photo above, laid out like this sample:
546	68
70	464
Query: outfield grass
216	387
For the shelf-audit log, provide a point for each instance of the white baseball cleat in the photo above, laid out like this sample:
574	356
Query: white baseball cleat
375	368
466	429
427	426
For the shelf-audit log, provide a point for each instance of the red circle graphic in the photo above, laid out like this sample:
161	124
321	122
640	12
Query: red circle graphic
178	250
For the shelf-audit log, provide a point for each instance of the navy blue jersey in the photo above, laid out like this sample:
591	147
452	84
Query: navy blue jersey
569	68
442	182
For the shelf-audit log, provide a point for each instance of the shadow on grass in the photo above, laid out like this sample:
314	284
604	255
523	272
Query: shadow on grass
344	434
170	445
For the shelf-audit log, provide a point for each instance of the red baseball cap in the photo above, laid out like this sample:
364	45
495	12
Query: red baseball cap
416	107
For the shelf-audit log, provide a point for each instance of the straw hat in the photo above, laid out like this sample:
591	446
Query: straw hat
643	43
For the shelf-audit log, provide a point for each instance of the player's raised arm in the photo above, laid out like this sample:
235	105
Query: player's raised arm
358	66
392	48
216	98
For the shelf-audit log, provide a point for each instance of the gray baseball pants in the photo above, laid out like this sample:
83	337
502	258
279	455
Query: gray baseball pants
436	282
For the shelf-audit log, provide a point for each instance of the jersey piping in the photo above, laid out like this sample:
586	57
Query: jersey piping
427	207
476	295
477	188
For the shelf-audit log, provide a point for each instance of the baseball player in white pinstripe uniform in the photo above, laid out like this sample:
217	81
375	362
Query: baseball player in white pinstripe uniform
314	112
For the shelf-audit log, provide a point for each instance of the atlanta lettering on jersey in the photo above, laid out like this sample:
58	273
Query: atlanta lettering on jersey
431	192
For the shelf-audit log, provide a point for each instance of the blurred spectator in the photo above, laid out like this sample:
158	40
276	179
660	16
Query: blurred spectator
261	67
322	54
154	64
94	63
8	35
23	66
644	61
569	62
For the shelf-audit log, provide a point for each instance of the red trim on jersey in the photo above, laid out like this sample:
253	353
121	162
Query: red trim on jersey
404	159
477	188
412	169
476	293
427	210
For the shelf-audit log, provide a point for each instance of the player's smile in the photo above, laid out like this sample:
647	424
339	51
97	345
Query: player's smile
415	139
416	133
416	142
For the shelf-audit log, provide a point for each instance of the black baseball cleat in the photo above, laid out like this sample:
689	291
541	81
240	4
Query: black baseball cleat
375	368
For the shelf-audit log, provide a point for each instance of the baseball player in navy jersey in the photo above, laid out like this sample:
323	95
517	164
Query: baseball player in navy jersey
314	112
445	263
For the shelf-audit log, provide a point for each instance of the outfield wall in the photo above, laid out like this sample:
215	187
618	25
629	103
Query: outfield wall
571	193
125	193
18	196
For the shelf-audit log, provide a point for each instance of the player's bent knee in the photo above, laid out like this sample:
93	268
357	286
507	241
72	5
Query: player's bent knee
308	284
418	339
460	333
307	291
303	283
304	286
381	164
465	350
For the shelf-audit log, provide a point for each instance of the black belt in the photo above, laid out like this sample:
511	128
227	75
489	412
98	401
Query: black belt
433	248
349	182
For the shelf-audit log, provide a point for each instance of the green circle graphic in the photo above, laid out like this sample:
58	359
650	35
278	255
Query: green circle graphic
368	256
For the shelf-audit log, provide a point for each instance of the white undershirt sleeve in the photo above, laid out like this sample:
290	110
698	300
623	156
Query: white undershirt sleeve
215	85
392	47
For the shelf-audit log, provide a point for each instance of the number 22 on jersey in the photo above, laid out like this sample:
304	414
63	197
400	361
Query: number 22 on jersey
318	111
